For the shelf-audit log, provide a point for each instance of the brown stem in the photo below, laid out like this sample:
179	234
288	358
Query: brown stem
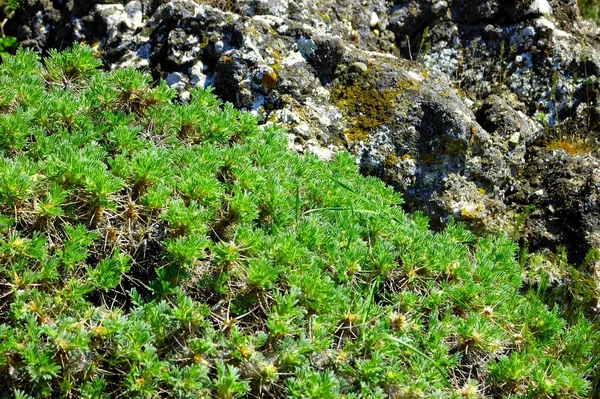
8	16
2	27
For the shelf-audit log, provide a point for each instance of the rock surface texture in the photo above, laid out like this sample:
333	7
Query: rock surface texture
484	111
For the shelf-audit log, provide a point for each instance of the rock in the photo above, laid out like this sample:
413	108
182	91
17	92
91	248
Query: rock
359	67
113	15
529	64
569	209
185	96
514	138
472	206
134	14
322	153
539	8
374	20
176	80
302	130
197	76
439	7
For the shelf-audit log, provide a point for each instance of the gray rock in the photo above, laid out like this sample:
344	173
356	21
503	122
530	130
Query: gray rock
374	20
514	139
134	10
568	211
176	80
359	66
439	7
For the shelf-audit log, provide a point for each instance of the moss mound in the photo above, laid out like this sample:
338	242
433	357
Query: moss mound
151	249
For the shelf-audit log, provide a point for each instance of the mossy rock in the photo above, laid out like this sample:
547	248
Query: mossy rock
366	104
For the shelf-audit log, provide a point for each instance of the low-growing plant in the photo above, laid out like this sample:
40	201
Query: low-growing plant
225	5
152	249
7	11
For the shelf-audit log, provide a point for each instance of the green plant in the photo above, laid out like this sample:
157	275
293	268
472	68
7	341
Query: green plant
424	44
227	382
589	9
7	11
151	249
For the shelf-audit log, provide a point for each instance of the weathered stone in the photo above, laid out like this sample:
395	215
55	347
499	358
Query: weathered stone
359	66
514	138
374	20
565	189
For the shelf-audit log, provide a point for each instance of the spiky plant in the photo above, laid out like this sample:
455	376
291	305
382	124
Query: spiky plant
152	249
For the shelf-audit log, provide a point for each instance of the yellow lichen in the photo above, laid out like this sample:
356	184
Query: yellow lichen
269	80
391	160
367	108
471	212
571	146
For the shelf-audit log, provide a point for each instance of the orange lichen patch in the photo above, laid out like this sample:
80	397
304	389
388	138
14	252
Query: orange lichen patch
269	80
571	146
95	45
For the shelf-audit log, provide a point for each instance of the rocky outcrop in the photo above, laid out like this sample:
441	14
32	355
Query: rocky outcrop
484	111
534	62
565	190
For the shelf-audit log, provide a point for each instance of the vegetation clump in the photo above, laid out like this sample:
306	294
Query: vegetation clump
589	9
156	249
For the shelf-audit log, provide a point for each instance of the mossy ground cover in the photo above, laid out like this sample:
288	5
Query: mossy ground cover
156	249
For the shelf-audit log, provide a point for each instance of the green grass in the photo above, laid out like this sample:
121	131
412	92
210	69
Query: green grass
590	9
151	249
